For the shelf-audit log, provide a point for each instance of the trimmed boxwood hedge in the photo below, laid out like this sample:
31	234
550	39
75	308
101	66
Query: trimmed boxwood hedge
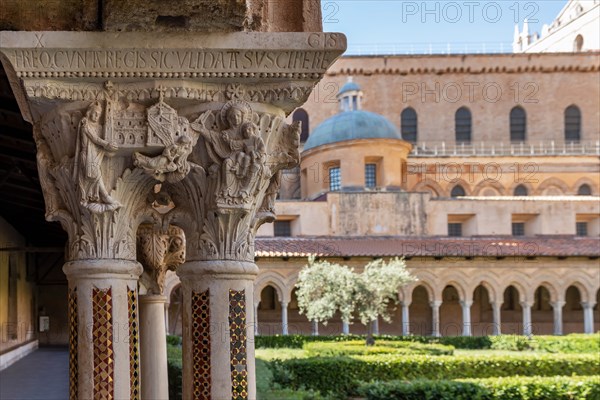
358	347
342	375
575	343
511	388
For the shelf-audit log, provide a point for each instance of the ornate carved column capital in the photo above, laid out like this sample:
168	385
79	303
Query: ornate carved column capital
159	251
116	113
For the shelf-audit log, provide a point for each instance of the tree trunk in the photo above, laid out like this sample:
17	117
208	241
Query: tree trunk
370	339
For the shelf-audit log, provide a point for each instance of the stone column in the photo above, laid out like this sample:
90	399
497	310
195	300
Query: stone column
103	357
497	320
167	317
159	249
527	327
345	328
405	319
284	318
557	307
435	317
588	317
466	315
187	131
256	318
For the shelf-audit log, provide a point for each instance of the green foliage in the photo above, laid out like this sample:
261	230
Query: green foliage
335	349
512	388
512	342
343	374
325	288
174	366
174	340
575	343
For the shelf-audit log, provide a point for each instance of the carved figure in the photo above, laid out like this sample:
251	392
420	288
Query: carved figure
237	152
91	148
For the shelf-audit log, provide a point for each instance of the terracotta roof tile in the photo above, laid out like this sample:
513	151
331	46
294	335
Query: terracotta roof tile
492	246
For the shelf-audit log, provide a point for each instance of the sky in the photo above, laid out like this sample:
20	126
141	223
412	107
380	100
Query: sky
404	26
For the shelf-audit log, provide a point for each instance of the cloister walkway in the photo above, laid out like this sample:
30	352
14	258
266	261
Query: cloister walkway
44	374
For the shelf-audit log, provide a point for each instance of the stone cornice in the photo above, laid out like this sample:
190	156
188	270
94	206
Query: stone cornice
287	61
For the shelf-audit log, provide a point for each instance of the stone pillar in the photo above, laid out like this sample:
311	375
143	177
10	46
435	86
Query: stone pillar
187	131
497	320
256	318
159	249
405	319
435	317
314	328
167	318
527	327
284	318
466	315
103	357
557	307
588	317
153	347
218	357
345	328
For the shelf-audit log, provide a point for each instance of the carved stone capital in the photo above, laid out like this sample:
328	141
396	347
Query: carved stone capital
115	114
159	251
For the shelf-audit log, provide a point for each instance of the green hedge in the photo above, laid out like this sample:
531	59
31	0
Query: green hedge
298	341
512	388
358	347
174	366
576	343
343	374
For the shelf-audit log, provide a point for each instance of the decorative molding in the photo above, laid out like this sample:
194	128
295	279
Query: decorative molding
102	332
134	340
73	345
160	251
238	351
201	345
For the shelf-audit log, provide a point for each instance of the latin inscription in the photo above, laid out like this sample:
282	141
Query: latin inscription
176	60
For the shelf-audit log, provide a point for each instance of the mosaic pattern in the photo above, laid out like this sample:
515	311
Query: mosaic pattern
134	346
102	333
237	345
73	340
201	344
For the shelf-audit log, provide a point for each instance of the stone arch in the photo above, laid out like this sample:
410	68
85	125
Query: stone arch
481	187
585	181
584	293
275	280
428	186
458	182
455	280
524	294
489	282
511	190
549	184
427	280
545	281
171	282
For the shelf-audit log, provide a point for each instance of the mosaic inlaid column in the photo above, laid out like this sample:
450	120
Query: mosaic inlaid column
104	357
185	131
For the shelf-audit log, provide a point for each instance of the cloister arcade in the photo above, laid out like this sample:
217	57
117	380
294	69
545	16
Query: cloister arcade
443	305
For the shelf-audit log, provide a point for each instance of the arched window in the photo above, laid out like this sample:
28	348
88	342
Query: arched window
518	124
457	191
301	115
578	44
521	191
408	125
584	190
462	125
572	124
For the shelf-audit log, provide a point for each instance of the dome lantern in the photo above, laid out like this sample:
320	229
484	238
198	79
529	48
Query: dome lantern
350	96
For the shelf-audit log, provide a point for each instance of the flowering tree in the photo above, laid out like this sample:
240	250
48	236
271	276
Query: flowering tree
323	288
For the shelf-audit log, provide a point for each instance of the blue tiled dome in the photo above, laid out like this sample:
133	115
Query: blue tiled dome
352	125
348	87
